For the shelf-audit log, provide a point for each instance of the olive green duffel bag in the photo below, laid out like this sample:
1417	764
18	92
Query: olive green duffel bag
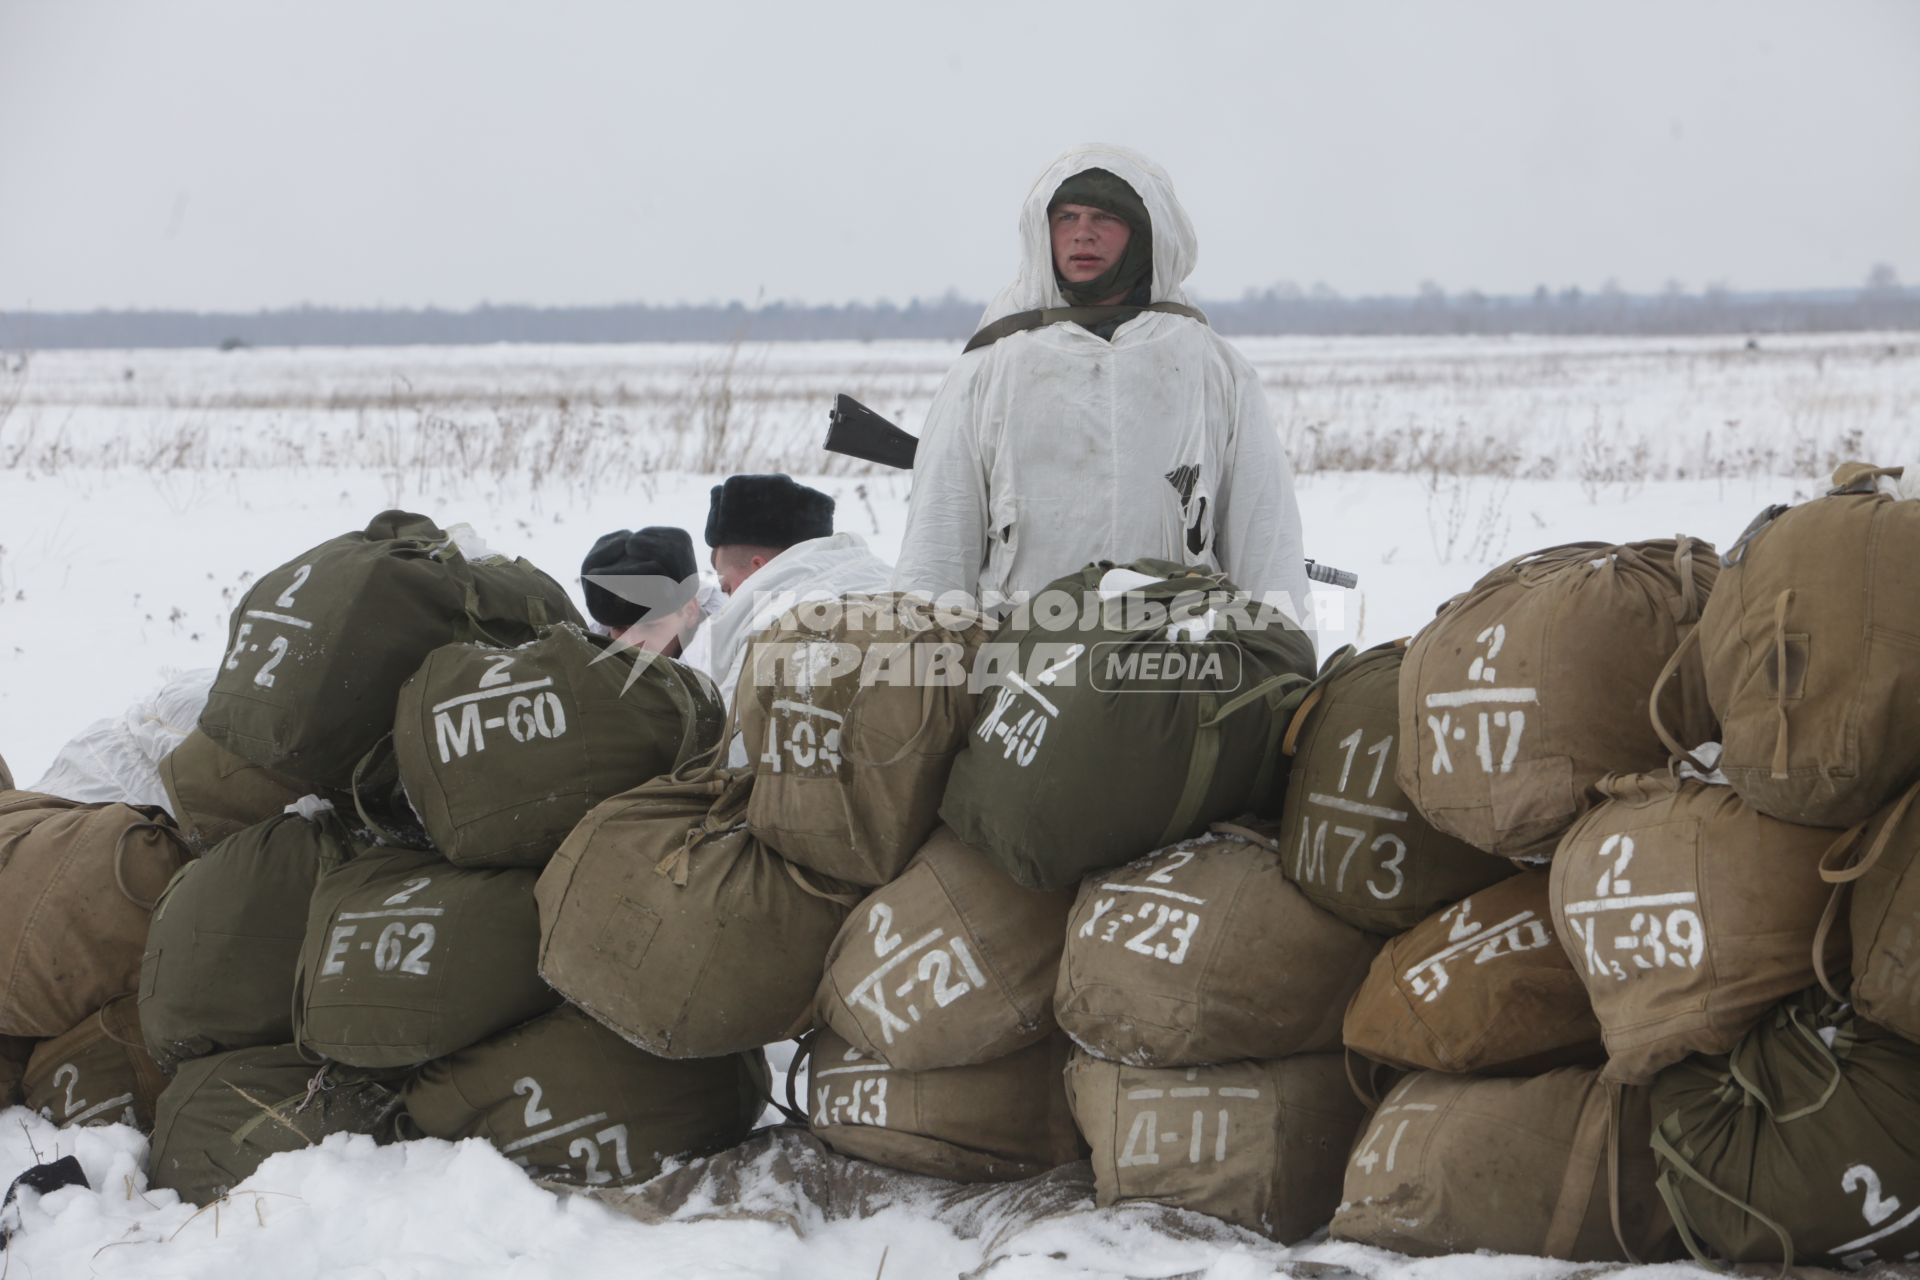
1535	683
1799	1146
214	793
225	938
14	1053
318	648
567	1099
408	958
1556	1165
1354	843
951	964
77	883
1687	914
1205	952
853	712
223	1115
1153	707
997	1121
1812	657
1259	1144
1885	900
1483	988
97	1073
664	918
503	750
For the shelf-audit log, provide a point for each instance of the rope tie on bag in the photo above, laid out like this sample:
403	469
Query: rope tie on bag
1835	870
120	859
1780	741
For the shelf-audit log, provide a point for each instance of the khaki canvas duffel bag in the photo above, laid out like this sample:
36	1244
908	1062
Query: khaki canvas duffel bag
225	938
1687	914
222	1116
318	648
1483	988
1536	682
97	1073
215	794
77	882
1885	900
997	1121
1205	952
1354	843
1531	1165
1798	1147
503	750
951	964
408	958
1824	593
567	1099
853	712
1259	1144
664	918
1113	731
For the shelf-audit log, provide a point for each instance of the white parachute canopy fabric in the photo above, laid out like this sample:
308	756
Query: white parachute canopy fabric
118	760
817	569
1054	448
1175	248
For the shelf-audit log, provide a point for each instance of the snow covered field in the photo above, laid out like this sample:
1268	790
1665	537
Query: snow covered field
140	491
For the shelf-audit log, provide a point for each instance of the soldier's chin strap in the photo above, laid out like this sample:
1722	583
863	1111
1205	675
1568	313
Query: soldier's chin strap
1086	317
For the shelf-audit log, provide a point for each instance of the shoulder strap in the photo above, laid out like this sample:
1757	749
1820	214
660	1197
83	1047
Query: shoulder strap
1021	321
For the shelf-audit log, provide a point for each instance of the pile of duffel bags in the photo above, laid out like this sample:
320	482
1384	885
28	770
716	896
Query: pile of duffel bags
1578	925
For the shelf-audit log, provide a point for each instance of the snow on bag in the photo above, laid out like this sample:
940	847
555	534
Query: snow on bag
1205	952
98	1073
1483	988
408	958
503	750
1152	708
77	882
1687	914
953	963
318	648
213	793
1454	1164
1354	843
1533	684
852	712
1262	1145
1798	1147
224	941
997	1121
1812	659
662	916
567	1099
222	1116
1874	868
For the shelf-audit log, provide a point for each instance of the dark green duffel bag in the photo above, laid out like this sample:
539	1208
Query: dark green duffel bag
567	1099
223	1115
1799	1146
318	649
1108	730
225	938
502	751
408	958
213	793
97	1073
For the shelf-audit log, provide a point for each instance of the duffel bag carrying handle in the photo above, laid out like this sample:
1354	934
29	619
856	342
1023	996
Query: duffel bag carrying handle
120	859
1838	872
1688	643
356	786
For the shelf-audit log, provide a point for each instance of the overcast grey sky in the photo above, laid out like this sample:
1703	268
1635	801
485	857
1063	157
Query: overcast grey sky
246	153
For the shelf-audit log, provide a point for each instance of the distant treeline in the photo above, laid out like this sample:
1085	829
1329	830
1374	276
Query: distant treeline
1281	310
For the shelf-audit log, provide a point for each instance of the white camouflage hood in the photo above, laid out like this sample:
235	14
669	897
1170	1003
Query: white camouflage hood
1175	250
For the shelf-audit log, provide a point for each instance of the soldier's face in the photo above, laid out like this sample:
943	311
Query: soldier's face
1087	242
